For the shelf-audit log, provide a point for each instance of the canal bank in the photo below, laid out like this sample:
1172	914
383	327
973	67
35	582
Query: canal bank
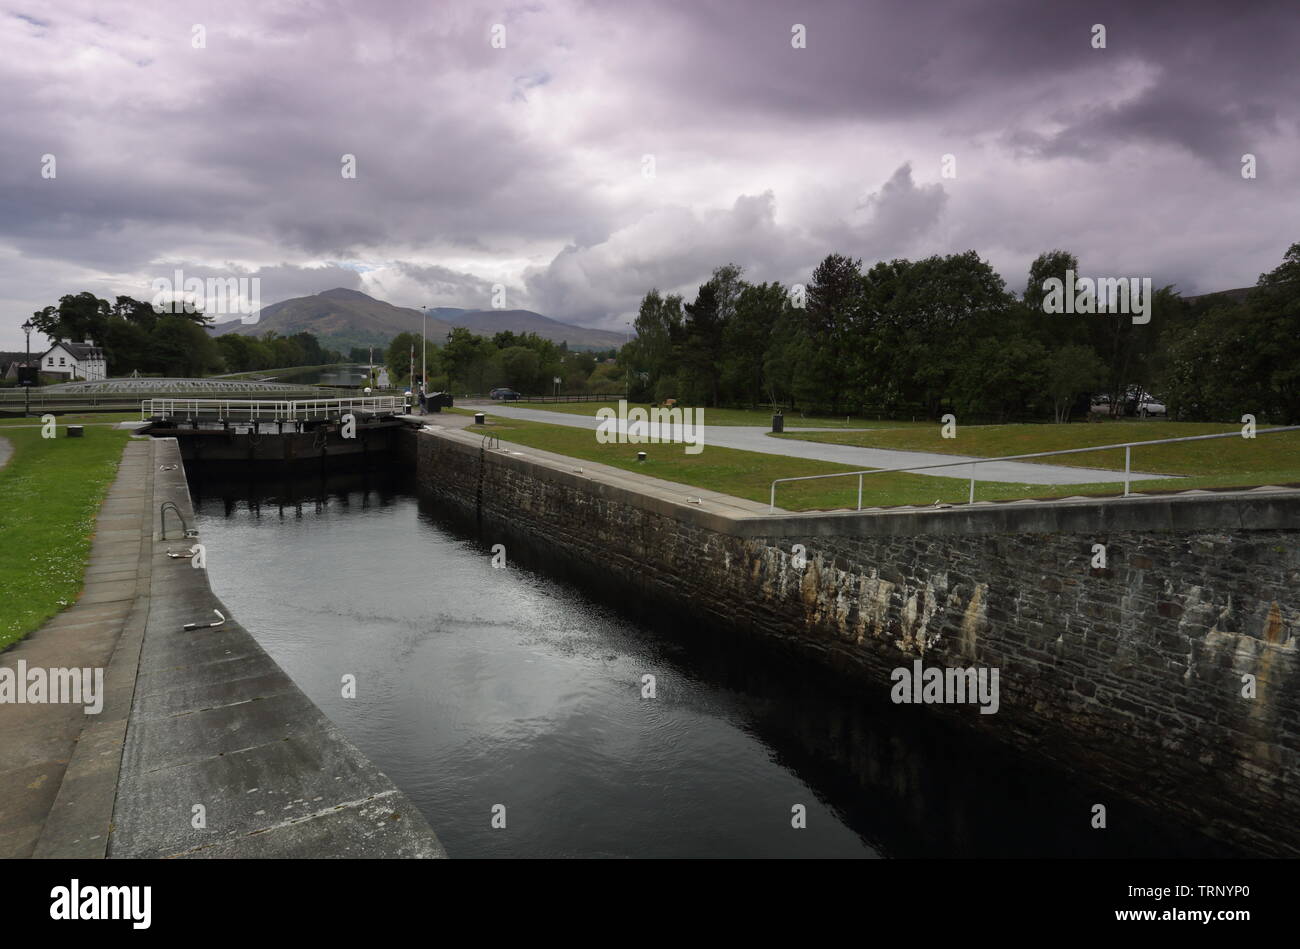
204	747
1167	675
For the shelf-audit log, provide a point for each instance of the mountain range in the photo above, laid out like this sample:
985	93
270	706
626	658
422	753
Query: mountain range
343	318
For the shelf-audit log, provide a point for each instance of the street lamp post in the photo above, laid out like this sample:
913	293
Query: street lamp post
27	389
424	344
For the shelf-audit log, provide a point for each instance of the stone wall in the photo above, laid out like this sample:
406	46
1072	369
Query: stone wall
1132	673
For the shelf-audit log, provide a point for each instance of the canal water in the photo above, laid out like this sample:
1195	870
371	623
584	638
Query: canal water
350	376
479	686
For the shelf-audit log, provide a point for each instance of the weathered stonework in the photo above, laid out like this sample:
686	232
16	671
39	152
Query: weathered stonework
1132	673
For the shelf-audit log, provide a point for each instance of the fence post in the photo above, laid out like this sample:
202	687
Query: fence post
972	483
859	492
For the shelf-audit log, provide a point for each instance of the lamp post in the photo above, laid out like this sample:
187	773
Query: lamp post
27	389
424	344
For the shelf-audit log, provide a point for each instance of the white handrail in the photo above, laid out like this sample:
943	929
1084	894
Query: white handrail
270	409
1127	446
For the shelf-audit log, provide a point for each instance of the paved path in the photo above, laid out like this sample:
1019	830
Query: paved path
38	784
215	721
202	717
754	438
6	450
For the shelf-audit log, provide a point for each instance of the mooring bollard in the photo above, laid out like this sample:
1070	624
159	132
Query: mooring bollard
75	431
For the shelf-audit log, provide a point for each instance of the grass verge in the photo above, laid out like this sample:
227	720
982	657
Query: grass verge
83	418
1221	462
50	494
745	474
749	475
761	418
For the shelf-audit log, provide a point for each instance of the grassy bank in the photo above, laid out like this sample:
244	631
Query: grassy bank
749	475
50	494
756	417
81	418
746	474
1266	459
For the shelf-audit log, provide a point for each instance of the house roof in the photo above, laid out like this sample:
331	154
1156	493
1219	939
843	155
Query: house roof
77	351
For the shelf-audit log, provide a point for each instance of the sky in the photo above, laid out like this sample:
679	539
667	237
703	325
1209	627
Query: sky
579	154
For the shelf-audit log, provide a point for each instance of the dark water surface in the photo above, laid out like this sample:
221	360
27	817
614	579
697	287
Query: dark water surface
479	686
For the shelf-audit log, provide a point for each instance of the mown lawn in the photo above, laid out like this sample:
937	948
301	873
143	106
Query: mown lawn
745	474
50	494
83	418
756	417
750	474
1265	459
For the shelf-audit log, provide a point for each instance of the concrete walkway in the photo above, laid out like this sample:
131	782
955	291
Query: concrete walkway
216	724
44	797
6	451
190	718
754	438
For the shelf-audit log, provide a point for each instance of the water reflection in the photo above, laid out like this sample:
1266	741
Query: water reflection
523	686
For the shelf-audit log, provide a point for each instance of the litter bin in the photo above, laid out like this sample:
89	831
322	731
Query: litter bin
75	431
778	422
480	418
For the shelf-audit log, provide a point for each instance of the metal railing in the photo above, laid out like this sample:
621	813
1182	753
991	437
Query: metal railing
328	408
1128	461
269	409
573	397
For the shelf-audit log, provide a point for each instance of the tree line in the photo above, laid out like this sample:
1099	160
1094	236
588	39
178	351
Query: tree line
925	337
136	337
466	363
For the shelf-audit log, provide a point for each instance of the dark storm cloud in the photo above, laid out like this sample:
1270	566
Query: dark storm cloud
1216	71
523	165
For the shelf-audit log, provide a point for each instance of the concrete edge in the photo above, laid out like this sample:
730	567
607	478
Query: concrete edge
418	839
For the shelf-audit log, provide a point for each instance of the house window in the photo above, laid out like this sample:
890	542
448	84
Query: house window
60	360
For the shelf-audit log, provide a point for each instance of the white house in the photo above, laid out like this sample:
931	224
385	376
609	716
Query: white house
76	360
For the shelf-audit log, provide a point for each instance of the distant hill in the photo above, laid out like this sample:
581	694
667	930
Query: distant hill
343	318
489	322
1236	296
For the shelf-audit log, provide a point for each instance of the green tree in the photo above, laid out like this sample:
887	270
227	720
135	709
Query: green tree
747	338
521	367
1071	371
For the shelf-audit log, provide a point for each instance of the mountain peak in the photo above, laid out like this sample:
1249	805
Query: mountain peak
342	317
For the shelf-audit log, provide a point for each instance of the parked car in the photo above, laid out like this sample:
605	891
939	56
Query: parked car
1134	402
1148	405
505	395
